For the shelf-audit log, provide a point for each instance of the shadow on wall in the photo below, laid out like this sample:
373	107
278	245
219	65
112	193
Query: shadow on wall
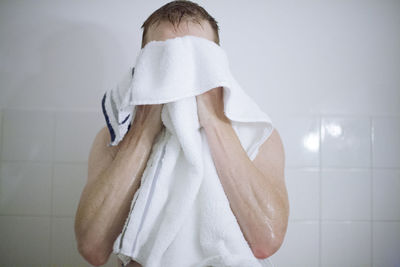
71	71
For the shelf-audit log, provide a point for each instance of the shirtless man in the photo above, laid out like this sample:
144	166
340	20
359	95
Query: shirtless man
114	172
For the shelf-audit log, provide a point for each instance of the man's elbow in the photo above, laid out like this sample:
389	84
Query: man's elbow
268	248
94	254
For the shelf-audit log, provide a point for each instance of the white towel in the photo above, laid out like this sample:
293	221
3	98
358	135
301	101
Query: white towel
180	216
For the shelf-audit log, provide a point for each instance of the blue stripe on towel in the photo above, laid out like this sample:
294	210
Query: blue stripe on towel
111	130
125	119
129	125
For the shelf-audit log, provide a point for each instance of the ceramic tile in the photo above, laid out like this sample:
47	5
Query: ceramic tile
25	188
346	195
346	142
27	135
25	241
386	142
386	244
346	244
386	197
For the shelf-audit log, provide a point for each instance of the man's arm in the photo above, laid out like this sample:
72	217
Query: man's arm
114	175
256	190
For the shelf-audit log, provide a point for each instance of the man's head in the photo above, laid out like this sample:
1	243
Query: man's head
167	22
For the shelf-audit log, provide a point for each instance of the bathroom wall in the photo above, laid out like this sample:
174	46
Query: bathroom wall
326	72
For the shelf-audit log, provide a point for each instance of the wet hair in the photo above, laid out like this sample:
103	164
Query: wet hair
176	12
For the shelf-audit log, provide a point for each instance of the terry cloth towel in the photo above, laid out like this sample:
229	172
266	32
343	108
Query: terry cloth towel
180	216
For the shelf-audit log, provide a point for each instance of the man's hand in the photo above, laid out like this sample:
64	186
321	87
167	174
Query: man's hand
210	105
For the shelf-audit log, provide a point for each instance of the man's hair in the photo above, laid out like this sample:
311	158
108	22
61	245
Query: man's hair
175	12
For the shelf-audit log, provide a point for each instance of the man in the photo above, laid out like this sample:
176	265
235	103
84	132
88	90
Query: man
256	189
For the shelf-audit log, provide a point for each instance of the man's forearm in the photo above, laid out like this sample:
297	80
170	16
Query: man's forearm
107	201
252	197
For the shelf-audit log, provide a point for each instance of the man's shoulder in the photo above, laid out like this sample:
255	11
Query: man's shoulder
101	155
101	143
102	136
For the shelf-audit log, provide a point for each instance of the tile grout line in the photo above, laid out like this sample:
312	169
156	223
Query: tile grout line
52	184
320	190
372	136
1	133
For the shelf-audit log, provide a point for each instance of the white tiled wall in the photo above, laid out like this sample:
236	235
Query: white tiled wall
41	183
348	200
326	72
